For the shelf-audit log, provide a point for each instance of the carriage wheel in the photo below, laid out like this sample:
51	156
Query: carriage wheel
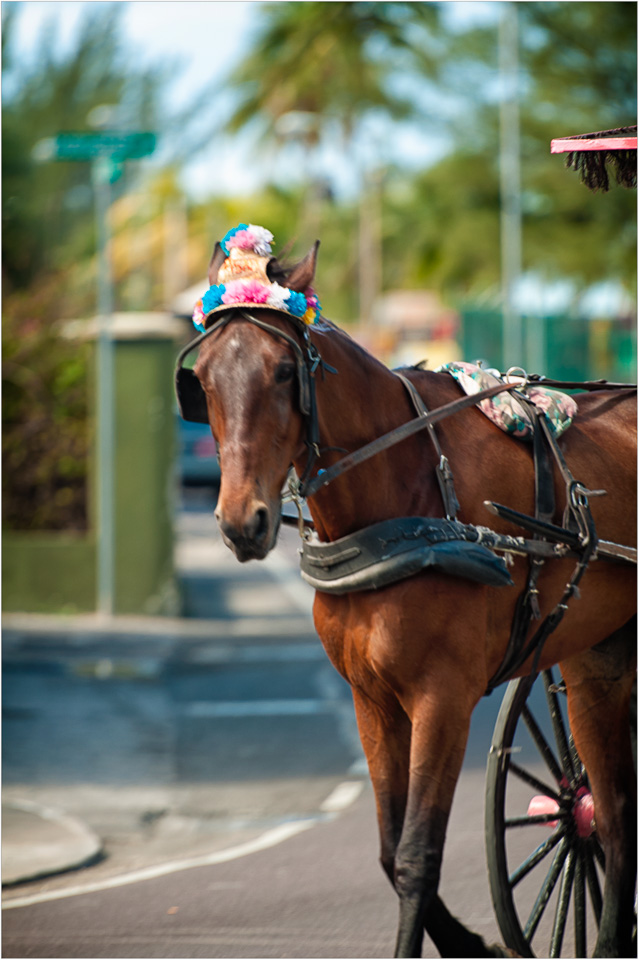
545	863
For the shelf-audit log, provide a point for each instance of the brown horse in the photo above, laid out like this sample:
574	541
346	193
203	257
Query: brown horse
419	653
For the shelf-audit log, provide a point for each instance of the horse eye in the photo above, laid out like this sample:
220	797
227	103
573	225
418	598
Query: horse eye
284	373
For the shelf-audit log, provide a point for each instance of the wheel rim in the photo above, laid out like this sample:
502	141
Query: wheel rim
545	863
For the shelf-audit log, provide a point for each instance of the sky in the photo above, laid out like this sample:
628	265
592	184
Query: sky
209	39
180	30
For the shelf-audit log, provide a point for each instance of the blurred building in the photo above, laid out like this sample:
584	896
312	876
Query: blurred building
410	326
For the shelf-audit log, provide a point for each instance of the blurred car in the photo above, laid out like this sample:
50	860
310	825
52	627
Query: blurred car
197	456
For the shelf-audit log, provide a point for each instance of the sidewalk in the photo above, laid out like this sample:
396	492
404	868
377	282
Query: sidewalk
39	841
232	612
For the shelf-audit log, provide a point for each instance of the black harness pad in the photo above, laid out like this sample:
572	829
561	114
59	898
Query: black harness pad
394	549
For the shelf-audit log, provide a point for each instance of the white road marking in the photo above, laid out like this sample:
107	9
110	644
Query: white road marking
342	796
269	839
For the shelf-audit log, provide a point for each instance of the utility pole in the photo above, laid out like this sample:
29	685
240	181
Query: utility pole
510	185
105	150
101	170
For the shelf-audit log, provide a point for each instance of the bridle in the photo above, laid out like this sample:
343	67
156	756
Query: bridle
192	399
192	403
193	407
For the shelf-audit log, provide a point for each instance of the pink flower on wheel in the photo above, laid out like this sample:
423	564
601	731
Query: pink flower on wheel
245	291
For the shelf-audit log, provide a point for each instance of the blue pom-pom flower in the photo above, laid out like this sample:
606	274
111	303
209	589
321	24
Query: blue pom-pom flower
296	304
231	233
213	298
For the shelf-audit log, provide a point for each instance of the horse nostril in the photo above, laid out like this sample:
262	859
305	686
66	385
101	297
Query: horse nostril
260	524
254	530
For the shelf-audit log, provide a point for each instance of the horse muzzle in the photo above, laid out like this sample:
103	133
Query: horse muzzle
252	535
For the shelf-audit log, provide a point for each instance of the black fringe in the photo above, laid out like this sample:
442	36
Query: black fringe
593	165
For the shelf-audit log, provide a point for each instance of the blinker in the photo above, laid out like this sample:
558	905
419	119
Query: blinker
191	398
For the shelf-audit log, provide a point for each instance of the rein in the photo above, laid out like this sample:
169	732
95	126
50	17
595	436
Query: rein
583	541
400	433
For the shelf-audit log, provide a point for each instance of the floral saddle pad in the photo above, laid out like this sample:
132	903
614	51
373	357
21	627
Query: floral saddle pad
505	409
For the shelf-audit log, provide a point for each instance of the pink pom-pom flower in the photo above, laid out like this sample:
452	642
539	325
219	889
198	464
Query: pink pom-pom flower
251	237
245	291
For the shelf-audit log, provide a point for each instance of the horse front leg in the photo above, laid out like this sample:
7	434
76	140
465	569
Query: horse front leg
385	732
439	733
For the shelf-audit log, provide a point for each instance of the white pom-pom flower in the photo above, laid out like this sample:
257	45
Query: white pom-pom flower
263	240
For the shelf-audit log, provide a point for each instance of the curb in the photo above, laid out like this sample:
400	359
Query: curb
41	841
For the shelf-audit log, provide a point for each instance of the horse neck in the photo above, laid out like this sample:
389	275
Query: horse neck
360	403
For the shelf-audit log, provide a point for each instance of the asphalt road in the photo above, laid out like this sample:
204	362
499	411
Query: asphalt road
219	763
319	894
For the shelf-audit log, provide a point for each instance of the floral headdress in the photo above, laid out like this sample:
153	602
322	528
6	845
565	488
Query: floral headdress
244	281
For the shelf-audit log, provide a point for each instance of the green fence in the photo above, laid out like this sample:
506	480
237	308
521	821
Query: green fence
566	348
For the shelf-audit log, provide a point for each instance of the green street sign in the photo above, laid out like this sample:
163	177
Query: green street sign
107	143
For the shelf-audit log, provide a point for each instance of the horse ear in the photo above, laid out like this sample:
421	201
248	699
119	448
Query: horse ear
217	260
301	276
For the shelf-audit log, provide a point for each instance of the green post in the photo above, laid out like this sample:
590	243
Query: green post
144	463
144	481
55	572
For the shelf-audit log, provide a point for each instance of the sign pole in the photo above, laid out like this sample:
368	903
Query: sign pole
101	173
105	151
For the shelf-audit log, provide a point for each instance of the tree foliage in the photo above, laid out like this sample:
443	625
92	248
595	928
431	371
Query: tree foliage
46	428
48	259
333	85
319	70
343	62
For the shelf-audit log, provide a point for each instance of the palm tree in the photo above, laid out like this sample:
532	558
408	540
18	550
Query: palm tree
318	73
333	61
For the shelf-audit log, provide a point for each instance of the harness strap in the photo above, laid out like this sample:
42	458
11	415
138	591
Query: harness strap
544	511
443	472
527	608
577	499
579	384
400	433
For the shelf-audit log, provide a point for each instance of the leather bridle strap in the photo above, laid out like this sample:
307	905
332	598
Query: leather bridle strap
307	361
406	430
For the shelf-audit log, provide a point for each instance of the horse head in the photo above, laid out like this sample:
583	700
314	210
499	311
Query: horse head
254	374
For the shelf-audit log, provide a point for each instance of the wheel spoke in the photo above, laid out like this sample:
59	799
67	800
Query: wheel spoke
546	890
529	821
533	781
536	856
577	765
541	743
598	853
580	907
593	885
559	729
561	913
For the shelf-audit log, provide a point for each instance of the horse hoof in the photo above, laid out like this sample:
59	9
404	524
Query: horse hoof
496	950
